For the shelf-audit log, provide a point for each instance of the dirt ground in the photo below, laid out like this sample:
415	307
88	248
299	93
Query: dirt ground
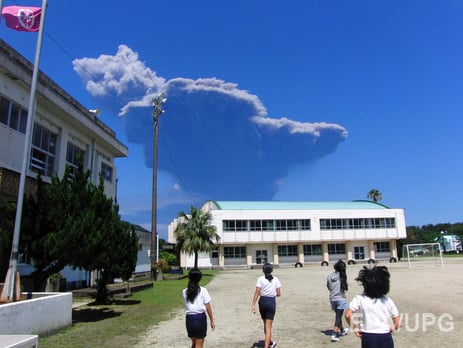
429	297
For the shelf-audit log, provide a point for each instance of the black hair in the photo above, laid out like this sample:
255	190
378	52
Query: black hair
193	289
268	269
340	267
375	281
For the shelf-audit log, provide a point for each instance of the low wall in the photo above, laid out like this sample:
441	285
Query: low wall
19	341
39	314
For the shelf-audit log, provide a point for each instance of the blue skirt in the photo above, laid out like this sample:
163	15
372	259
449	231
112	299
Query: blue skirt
371	340
267	307
196	325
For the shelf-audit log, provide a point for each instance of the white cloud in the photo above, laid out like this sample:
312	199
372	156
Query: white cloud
120	75
216	139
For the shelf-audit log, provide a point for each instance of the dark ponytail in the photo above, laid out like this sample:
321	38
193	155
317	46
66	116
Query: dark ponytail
193	289
340	267
268	269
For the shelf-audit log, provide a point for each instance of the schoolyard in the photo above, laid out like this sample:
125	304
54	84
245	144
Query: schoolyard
429	297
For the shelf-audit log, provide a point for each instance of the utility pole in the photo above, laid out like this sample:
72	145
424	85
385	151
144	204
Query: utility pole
158	103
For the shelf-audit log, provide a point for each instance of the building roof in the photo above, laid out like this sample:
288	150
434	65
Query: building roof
283	205
18	68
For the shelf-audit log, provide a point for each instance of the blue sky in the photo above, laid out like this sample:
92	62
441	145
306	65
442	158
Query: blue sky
268	100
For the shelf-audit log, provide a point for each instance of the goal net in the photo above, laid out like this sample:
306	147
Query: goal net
423	254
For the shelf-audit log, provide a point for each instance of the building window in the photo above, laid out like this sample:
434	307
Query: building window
389	222
73	154
4	110
359	253
13	115
287	250
43	151
312	249
291	225
382	247
280	225
241	225
348	224
336	249
358	223
228	225
305	224
234	252
255	225
107	171
215	253
268	225
235	225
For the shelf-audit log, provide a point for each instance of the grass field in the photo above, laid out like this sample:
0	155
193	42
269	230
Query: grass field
121	323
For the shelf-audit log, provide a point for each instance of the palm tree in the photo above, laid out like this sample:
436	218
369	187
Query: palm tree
374	195
194	233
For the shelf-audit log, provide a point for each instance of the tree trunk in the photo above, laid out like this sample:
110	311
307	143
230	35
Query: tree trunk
196	259
103	295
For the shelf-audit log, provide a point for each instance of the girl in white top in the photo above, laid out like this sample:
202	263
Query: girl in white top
378	315
197	303
268	288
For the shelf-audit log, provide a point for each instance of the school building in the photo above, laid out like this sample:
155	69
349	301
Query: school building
63	131
297	233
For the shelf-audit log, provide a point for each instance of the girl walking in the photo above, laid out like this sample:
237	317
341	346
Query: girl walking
268	288
197	303
336	283
377	315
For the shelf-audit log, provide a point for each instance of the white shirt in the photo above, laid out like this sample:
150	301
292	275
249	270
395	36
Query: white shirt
374	315
199	304
268	289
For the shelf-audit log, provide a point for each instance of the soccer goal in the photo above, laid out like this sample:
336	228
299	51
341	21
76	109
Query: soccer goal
423	254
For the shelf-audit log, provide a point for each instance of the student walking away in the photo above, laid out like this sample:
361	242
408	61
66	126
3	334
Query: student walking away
197	303
336	283
268	288
373	315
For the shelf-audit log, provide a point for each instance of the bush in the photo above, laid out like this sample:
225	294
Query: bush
55	276
170	258
163	266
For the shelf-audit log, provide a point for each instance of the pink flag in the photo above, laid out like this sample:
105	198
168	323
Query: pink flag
22	18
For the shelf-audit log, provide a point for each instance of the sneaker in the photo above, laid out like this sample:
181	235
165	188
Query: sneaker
272	345
334	338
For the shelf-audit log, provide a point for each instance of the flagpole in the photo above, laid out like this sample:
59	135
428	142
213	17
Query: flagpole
11	291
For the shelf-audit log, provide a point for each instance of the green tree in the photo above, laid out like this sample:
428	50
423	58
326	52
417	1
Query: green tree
71	222
374	195
42	230
194	233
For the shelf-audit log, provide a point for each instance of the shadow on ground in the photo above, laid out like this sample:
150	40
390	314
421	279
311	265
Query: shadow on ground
328	332
85	315
94	312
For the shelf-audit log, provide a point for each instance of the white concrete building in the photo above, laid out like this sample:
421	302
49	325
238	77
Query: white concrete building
63	129
297	233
